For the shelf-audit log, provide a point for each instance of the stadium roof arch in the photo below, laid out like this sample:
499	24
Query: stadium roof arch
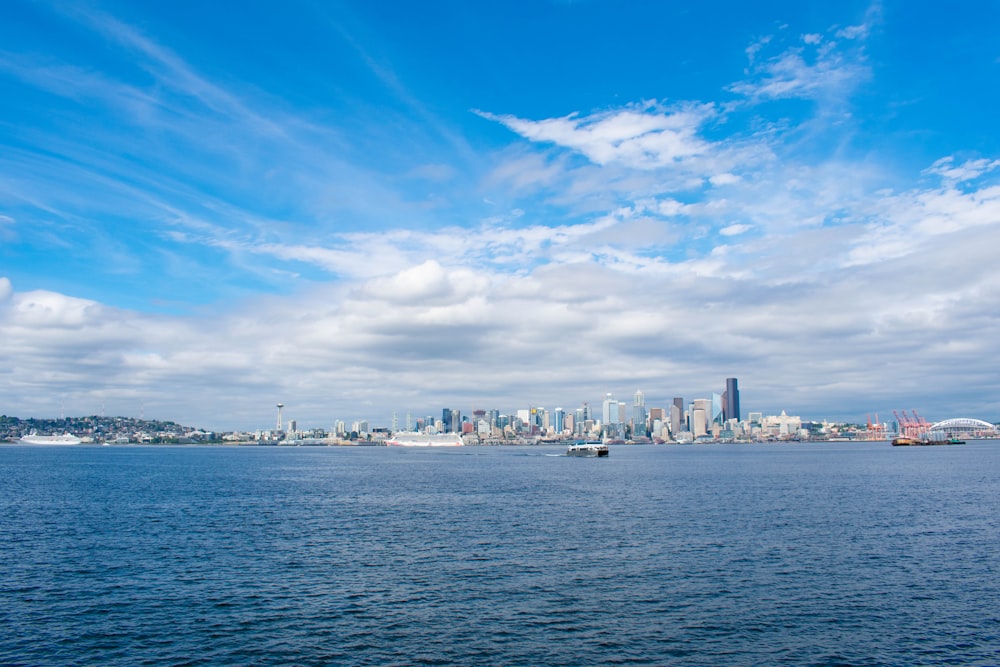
964	424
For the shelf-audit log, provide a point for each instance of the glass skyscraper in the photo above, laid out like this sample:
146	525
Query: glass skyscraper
731	409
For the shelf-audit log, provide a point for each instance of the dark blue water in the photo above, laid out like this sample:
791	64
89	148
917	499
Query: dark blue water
836	554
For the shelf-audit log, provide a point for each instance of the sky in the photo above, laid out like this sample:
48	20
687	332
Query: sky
360	208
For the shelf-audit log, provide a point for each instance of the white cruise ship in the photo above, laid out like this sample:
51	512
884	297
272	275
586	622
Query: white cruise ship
64	439
410	439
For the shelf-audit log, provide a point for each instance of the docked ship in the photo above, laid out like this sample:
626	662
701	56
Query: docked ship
411	439
64	439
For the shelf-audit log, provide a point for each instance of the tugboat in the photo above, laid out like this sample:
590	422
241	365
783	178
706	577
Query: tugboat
587	449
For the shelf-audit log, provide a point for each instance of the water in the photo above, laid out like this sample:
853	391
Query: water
834	554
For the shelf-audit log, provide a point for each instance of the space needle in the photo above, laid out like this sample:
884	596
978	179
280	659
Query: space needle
280	405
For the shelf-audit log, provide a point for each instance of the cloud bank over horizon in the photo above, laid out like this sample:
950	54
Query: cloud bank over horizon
199	238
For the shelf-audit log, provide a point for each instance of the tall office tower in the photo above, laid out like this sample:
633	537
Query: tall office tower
731	409
639	413
446	424
610	410
395	422
677	416
559	423
409	421
716	415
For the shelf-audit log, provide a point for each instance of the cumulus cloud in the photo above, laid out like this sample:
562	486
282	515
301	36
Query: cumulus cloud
426	283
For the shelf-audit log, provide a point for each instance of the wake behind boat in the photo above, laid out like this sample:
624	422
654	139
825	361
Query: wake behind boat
410	439
64	439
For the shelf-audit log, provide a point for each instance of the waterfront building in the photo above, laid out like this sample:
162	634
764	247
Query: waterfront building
782	426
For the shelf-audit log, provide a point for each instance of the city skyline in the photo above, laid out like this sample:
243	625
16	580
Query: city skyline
391	206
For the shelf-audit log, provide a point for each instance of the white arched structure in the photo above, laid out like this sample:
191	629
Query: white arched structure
964	426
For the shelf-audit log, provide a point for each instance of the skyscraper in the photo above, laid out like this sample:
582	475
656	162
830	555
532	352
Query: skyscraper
610	410
731	409
677	416
639	414
451	420
716	416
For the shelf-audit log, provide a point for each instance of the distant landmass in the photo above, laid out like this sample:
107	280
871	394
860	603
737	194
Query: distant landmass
100	429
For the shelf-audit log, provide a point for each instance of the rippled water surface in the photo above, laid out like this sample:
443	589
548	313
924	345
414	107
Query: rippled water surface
835	554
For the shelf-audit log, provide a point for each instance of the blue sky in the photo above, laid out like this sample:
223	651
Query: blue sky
360	208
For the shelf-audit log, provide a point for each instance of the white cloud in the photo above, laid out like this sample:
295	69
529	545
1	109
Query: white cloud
734	230
427	283
724	179
820	70
967	171
641	137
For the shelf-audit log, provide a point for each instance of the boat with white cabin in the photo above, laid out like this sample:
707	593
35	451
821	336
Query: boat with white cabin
587	449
